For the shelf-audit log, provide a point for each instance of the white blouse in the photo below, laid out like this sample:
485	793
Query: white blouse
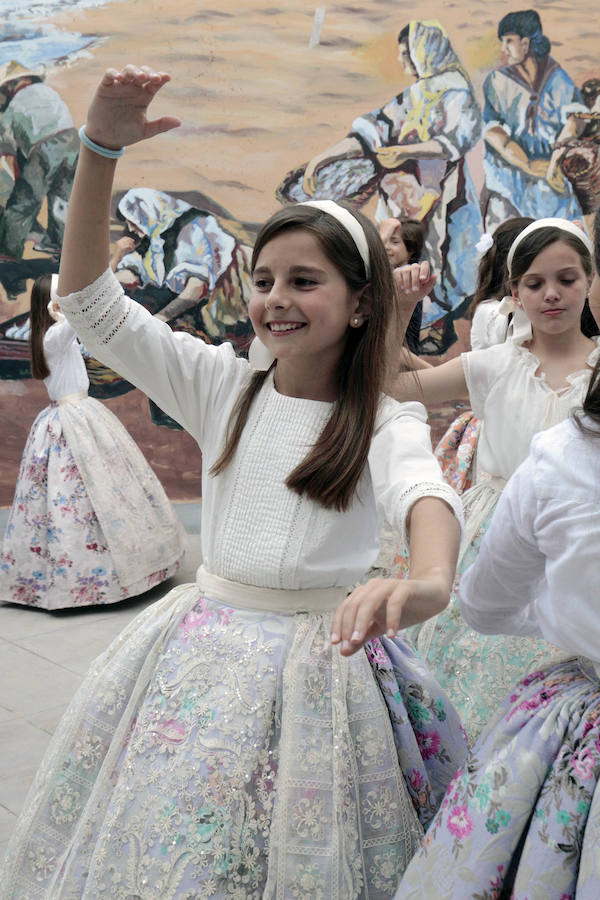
68	374
488	327
254	529
513	403
538	569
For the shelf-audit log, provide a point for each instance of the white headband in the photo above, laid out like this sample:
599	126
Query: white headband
563	224
350	223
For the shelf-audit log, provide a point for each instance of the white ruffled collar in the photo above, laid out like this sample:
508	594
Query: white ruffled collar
532	364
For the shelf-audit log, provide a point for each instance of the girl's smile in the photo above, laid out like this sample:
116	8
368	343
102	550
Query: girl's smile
282	328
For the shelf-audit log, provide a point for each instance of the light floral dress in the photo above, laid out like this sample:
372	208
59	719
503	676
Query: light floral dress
90	522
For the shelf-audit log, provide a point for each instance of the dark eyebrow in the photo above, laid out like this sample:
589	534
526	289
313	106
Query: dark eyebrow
295	270
306	270
560	272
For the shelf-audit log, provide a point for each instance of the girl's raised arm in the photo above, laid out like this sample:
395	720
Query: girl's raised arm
116	118
433	385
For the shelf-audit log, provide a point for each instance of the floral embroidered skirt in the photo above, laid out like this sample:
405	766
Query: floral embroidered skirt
456	451
222	752
476	670
56	552
521	819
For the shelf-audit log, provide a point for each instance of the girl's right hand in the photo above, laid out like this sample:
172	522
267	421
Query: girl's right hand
377	608
413	282
117	114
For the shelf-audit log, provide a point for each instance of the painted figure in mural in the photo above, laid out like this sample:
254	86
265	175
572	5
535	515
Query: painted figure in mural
524	112
576	155
36	130
412	150
90	522
170	244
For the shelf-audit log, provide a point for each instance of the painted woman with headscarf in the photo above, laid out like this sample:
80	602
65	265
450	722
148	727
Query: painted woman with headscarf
526	105
175	246
413	151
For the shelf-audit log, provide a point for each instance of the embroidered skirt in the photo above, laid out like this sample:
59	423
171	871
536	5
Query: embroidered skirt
223	751
476	670
90	522
521	819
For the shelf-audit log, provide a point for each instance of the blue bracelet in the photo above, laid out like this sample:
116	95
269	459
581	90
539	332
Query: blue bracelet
97	148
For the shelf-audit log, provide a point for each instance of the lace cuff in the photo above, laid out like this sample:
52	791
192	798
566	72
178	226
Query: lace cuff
98	311
429	489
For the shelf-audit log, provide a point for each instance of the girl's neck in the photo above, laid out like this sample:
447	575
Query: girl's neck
306	382
570	343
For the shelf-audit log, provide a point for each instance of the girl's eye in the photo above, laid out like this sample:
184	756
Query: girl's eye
533	285
304	282
261	284
568	280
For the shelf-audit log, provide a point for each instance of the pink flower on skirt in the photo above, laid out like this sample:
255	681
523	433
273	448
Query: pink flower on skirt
583	765
429	743
416	780
460	823
376	653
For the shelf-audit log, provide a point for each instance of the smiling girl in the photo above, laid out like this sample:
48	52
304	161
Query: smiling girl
516	389
228	744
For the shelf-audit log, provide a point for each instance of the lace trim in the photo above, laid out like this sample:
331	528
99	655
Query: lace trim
429	489
98	311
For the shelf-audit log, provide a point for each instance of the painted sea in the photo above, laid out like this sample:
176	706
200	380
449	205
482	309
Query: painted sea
27	38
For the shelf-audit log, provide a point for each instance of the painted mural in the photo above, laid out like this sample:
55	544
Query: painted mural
471	114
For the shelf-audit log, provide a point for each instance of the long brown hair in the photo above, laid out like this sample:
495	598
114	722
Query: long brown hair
41	321
492	281
330	472
591	403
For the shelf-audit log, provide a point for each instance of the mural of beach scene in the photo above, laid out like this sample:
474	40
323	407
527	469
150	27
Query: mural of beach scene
279	103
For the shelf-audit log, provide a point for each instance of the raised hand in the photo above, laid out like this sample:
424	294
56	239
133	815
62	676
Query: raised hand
117	114
413	282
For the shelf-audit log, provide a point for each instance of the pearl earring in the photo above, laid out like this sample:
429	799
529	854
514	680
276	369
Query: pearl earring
356	321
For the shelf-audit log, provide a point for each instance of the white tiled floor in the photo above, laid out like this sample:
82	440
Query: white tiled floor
43	657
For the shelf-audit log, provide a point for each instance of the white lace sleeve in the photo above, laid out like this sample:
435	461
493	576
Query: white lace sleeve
98	311
403	467
189	379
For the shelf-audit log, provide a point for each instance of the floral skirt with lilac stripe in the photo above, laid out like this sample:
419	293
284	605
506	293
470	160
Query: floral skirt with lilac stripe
521	819
55	553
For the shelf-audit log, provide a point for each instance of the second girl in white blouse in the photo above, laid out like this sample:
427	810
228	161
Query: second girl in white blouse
522	816
530	382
